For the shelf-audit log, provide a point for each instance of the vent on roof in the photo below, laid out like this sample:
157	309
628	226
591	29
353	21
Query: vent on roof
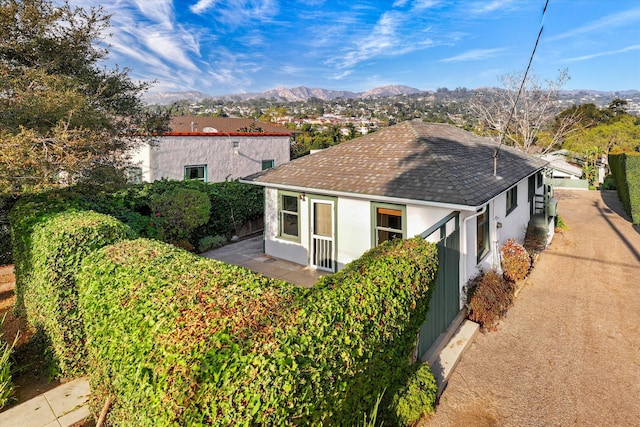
208	129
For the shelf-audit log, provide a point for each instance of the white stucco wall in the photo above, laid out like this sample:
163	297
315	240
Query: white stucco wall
513	226
142	158
173	153
283	248
354	232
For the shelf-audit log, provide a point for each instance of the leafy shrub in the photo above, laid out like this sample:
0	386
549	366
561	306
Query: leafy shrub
178	212
560	223
417	398
176	339
515	261
208	243
50	296
609	183
489	295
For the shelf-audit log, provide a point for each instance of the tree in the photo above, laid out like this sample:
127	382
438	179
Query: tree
516	117
63	115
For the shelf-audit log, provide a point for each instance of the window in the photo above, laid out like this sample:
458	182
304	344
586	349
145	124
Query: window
288	218
134	175
512	199
482	232
539	179
268	164
198	172
389	222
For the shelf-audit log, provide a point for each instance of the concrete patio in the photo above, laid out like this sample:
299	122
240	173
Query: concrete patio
248	253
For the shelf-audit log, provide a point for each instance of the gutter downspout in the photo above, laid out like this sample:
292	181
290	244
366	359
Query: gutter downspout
463	278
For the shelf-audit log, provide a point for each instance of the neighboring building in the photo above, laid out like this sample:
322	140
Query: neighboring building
565	174
432	180
211	149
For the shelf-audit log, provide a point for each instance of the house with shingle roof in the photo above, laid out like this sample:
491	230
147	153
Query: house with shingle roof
428	179
211	149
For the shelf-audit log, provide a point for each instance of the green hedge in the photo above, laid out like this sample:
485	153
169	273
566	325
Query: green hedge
28	214
6	203
50	296
625	168
179	340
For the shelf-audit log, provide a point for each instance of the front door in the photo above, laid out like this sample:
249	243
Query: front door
322	235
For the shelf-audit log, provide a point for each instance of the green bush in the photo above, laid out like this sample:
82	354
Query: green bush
178	212
609	183
489	295
417	399
515	261
176	339
208	243
59	244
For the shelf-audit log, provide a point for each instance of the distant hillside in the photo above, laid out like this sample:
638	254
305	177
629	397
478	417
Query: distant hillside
302	94
299	94
164	98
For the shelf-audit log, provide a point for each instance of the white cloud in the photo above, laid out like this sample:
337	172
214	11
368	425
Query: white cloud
491	6
202	5
607	53
387	38
158	11
475	55
608	22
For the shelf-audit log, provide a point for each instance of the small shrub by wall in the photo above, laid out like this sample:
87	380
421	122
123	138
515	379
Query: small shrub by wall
417	398
175	339
51	296
515	261
489	295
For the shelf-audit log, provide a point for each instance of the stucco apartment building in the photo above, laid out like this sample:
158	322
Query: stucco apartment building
211	149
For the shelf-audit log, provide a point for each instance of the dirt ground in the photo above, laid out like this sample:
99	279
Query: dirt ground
568	352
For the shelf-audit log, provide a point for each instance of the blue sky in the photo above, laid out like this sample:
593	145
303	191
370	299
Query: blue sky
233	46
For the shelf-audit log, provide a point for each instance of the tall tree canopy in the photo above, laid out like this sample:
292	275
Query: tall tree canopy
62	113
524	118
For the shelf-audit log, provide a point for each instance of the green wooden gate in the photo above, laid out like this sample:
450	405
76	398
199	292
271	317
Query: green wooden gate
445	300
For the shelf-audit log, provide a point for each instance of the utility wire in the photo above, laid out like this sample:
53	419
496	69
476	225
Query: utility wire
524	79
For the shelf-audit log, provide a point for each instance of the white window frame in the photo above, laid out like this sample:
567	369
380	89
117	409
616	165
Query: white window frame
205	177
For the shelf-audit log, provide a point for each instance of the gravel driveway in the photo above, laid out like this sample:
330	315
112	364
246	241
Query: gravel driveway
568	352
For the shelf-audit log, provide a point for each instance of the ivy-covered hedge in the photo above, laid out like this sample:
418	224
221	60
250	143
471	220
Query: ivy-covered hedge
29	214
232	204
625	168
179	340
59	244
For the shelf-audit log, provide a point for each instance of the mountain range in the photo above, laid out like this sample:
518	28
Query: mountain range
283	94
302	93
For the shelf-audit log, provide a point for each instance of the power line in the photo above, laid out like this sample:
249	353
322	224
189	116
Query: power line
524	79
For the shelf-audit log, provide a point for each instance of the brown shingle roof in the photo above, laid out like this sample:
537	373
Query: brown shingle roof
182	124
414	160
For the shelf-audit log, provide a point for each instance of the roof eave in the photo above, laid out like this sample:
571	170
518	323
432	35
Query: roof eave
386	199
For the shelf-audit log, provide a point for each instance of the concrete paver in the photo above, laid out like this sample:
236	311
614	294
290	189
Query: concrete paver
62	406
248	253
